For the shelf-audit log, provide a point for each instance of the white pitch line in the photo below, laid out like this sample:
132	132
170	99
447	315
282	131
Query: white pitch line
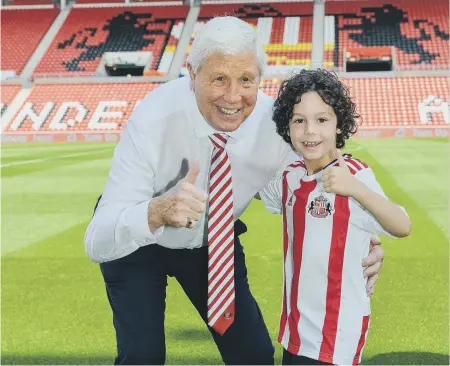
6	165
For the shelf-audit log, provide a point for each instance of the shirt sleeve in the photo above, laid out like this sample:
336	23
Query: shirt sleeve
365	219
290	157
271	194
120	224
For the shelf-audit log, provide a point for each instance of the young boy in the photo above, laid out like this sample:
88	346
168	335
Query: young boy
331	206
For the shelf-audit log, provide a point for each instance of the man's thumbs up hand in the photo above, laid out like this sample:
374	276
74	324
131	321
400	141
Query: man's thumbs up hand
192	174
182	205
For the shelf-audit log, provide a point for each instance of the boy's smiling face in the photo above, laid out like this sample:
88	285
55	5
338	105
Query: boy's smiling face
313	130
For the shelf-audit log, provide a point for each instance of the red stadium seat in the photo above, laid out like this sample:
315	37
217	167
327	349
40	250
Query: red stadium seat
380	101
99	1
90	32
390	101
8	92
418	30
30	2
394	101
84	103
22	30
287	27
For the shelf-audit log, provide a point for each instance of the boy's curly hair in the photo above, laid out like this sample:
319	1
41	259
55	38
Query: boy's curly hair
332	91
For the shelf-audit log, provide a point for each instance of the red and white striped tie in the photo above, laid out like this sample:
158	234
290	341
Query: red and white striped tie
220	239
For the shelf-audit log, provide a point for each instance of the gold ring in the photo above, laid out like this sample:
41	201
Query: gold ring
189	223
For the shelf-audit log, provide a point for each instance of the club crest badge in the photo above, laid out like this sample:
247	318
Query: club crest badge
320	207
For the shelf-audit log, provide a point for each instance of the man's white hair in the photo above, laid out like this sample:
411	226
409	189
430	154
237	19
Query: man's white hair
228	35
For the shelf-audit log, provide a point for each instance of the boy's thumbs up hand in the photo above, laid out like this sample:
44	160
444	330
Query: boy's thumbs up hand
339	179
341	160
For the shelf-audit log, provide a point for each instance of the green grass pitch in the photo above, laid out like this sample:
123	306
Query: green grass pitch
54	306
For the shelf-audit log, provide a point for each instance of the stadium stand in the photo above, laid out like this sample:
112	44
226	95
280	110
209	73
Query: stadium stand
30	2
8	92
19	41
79	107
418	30
100	1
90	32
394	101
285	29
106	107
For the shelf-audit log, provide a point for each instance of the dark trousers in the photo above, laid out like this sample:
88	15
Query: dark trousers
291	359
136	289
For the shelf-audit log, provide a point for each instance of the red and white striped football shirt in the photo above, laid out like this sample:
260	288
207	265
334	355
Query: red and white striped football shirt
326	312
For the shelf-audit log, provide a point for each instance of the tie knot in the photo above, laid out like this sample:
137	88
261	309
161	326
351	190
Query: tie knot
219	140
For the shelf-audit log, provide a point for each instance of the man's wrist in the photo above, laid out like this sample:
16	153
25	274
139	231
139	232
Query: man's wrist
155	219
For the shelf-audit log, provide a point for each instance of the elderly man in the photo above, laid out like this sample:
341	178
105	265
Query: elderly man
192	156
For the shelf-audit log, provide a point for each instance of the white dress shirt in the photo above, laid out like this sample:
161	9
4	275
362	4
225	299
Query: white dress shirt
164	134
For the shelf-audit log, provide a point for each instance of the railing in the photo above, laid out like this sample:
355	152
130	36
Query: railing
423	67
37	75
